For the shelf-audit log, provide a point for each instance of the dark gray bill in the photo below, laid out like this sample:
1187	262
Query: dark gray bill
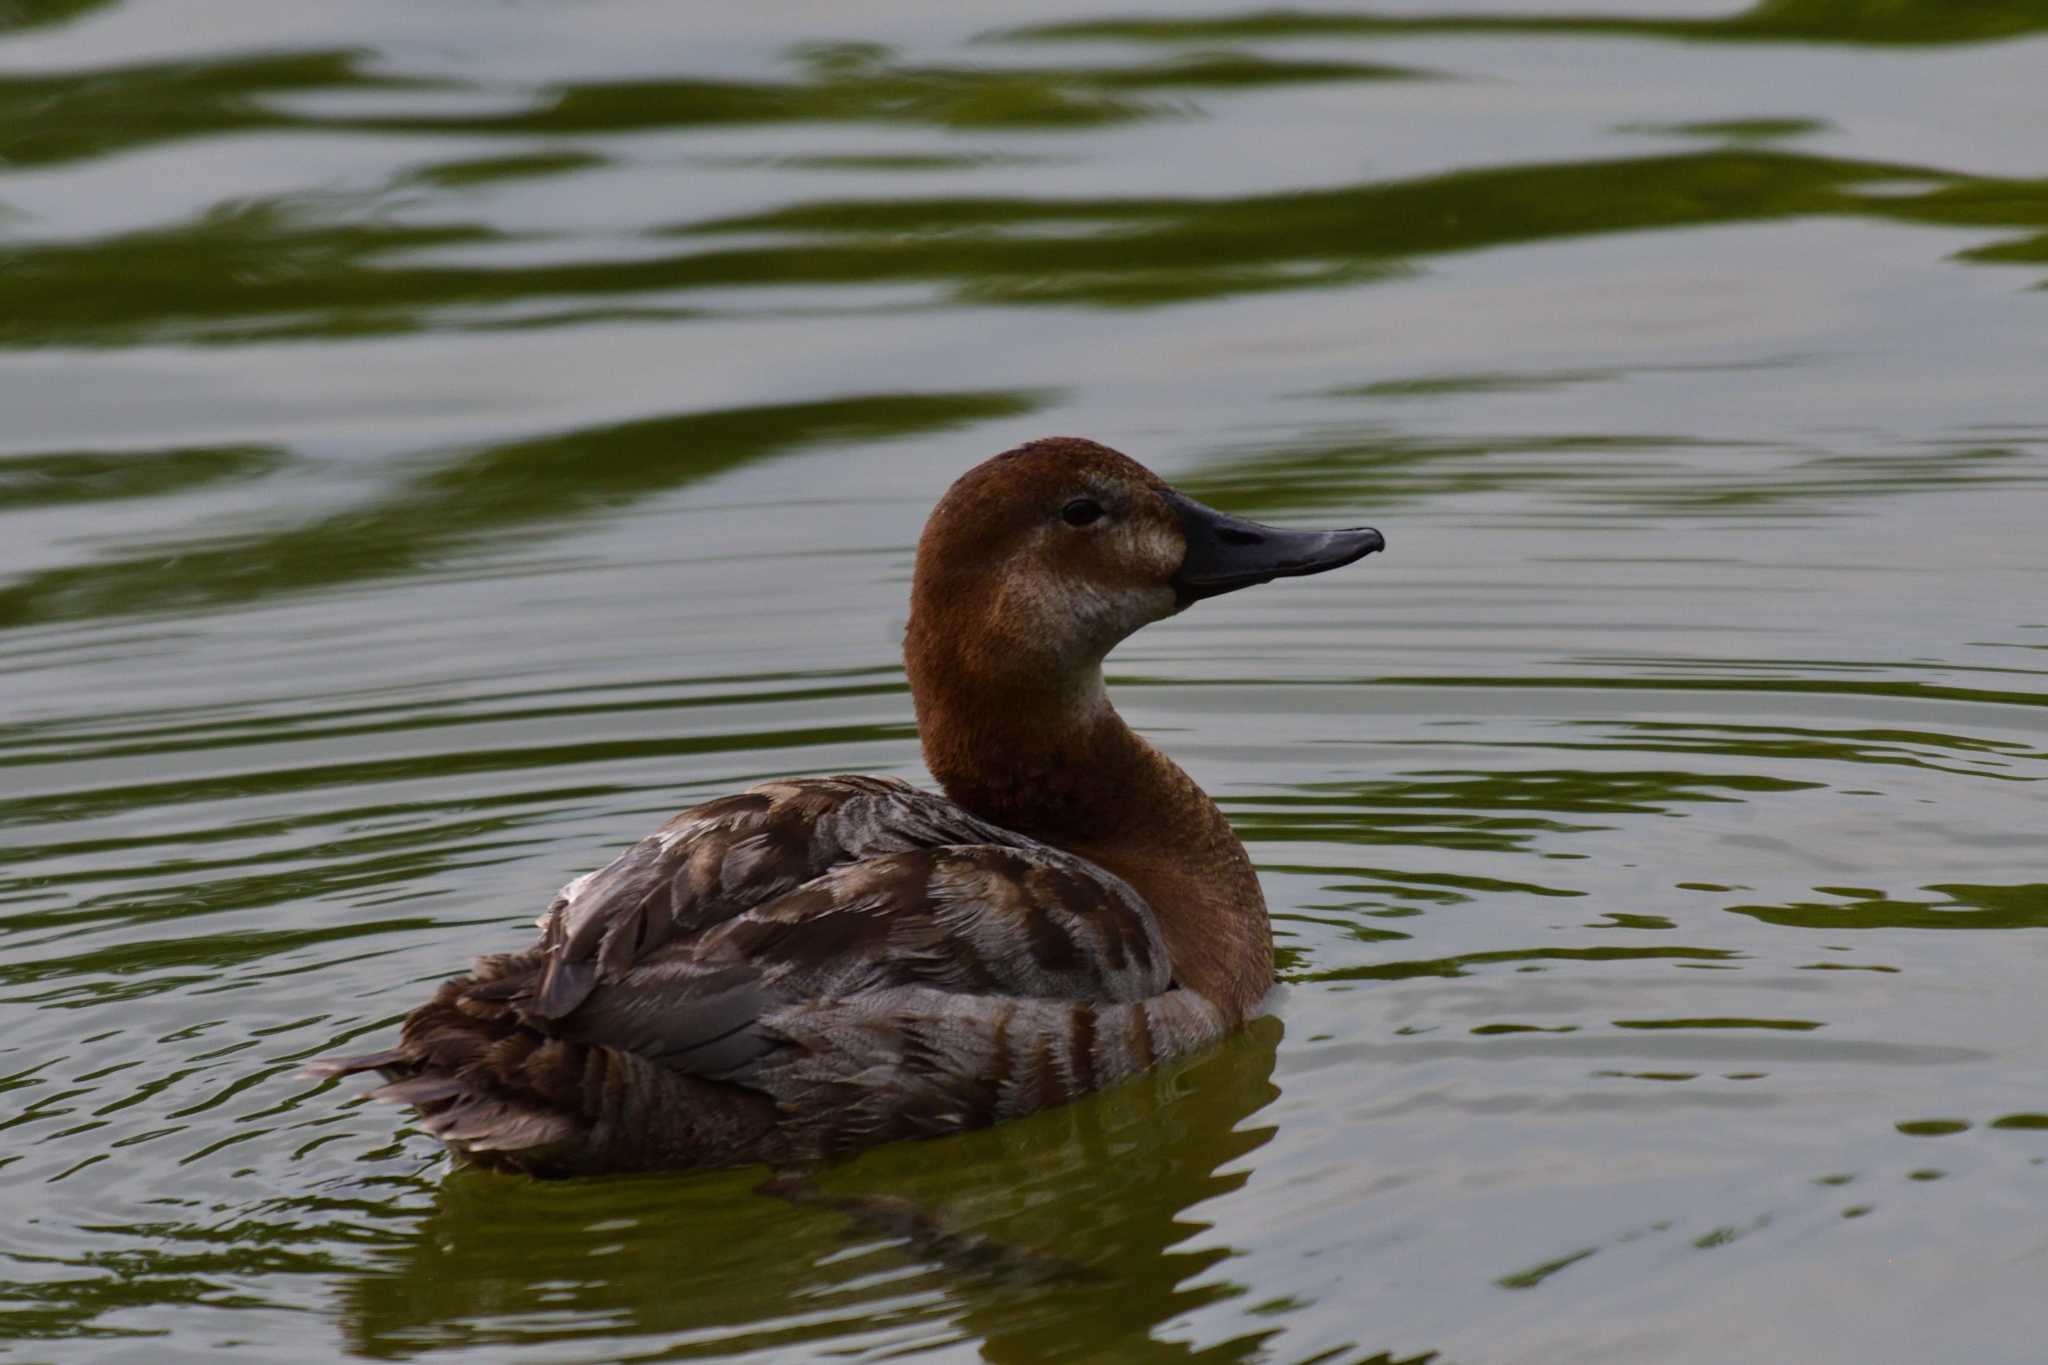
1226	553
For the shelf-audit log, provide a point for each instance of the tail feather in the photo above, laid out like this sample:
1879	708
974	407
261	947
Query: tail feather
349	1066
421	1091
501	1090
481	1123
518	1132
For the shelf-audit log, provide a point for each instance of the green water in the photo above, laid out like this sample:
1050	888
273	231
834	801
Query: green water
438	441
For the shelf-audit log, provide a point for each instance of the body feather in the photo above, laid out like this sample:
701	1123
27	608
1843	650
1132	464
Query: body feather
800	970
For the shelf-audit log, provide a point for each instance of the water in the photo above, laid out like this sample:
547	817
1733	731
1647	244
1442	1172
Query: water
443	440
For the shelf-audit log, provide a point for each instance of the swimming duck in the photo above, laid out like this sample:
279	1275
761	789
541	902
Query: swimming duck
818	965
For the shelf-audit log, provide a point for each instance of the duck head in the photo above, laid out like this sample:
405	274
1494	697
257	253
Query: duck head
1036	563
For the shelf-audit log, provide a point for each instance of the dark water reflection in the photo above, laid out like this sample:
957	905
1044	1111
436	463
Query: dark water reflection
1814	21
1108	1193
441	442
308	267
520	488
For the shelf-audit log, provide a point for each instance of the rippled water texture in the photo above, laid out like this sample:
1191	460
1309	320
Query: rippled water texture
440	440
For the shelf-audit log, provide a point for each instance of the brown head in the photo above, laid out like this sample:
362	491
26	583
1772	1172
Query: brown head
1037	562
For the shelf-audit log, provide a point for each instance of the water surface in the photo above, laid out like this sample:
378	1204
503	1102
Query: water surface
443	440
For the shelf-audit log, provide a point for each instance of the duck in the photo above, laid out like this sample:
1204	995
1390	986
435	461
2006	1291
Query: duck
814	966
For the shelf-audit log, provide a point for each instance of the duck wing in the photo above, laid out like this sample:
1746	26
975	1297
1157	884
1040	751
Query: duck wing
726	856
964	919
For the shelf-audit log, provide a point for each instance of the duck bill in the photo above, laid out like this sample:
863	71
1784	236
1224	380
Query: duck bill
1226	553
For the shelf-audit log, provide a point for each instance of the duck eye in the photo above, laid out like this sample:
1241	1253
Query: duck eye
1081	512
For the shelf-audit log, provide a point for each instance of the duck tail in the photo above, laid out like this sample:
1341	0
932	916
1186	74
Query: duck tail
500	1093
327	1067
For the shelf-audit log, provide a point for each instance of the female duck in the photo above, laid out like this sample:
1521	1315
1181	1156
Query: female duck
818	965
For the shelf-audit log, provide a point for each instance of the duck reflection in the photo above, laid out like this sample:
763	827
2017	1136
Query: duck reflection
1107	1190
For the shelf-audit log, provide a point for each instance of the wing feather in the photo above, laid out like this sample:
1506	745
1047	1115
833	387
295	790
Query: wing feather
727	856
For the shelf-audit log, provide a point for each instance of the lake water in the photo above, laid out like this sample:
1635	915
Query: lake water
441	440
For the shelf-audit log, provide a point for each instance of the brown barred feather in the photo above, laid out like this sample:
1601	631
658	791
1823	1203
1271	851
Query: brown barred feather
801	970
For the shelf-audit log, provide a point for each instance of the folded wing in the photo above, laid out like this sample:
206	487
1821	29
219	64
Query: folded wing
729	855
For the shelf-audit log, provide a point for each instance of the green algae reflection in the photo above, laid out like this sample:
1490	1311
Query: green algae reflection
1857	22
477	500
342	266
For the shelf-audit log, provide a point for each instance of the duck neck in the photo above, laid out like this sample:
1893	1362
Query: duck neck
1061	765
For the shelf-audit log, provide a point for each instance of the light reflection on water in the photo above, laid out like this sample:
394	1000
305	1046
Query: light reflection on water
439	450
